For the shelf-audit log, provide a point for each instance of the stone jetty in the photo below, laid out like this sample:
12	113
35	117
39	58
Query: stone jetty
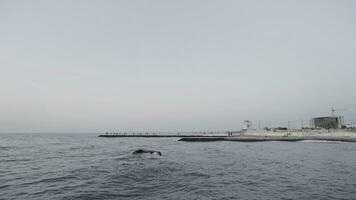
267	138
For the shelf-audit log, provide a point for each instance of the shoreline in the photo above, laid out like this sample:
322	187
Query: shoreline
264	138
252	136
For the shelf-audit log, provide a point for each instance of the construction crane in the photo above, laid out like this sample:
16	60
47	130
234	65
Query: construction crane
333	110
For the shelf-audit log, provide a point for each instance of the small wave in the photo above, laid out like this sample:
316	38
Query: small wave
49	180
83	147
5	148
321	141
197	174
18	160
4	186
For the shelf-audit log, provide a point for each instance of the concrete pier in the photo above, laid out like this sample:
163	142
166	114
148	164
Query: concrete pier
154	135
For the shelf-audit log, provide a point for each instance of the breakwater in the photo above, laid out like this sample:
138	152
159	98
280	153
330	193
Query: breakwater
267	138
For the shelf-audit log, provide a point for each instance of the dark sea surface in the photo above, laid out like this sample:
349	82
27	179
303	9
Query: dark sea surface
84	166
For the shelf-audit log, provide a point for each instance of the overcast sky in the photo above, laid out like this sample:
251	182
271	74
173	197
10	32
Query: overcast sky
93	66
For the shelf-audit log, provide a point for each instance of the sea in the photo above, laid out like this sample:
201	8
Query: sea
84	166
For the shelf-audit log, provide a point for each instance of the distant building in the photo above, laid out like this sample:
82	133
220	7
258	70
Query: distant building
330	122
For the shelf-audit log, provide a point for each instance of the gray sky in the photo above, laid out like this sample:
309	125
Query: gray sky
87	66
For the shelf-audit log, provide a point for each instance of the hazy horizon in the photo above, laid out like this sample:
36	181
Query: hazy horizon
93	66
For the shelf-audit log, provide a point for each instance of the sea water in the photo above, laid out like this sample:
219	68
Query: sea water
84	166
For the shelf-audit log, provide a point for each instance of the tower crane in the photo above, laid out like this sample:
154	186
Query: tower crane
333	110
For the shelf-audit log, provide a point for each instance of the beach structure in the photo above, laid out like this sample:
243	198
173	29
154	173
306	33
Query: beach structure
328	122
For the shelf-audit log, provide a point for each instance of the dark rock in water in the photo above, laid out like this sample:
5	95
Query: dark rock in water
141	151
